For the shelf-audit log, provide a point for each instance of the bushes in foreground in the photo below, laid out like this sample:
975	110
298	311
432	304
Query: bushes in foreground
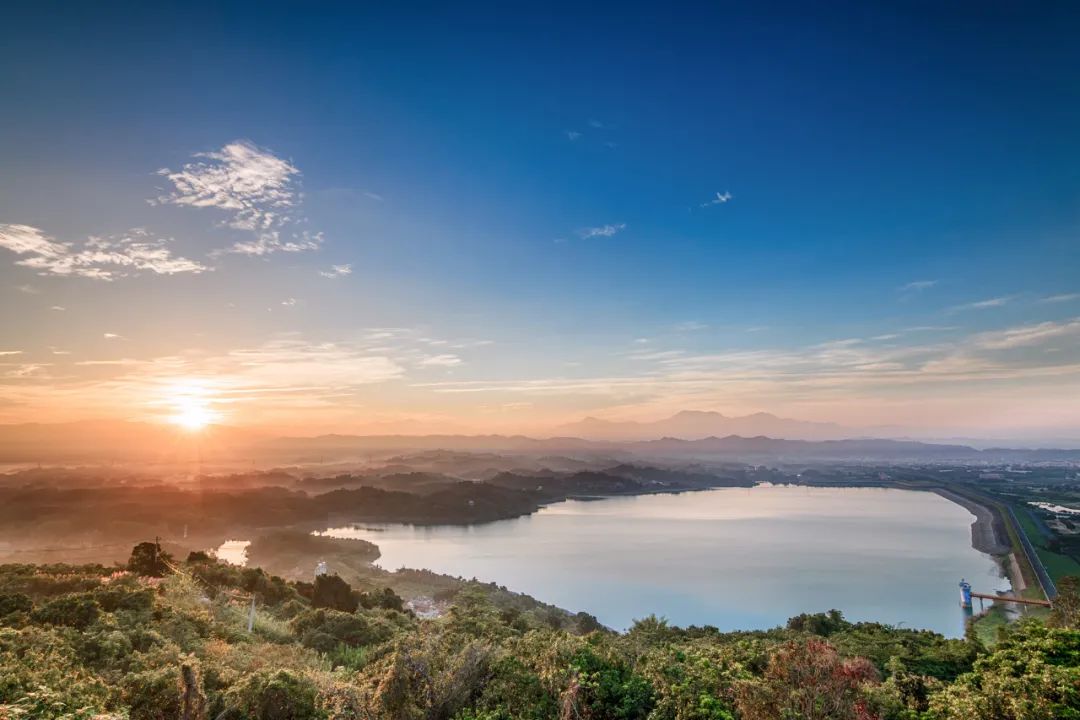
84	642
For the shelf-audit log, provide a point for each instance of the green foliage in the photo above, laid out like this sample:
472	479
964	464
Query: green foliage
92	642
386	599
605	687
695	680
333	592
14	607
1033	675
823	624
153	694
325	630
77	610
1066	610
273	695
147	558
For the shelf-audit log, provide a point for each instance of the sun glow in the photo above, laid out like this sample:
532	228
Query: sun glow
192	408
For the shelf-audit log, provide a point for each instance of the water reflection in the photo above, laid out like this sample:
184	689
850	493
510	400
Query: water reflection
730	557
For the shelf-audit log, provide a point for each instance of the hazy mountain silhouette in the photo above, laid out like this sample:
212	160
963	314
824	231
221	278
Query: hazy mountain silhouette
106	441
699	424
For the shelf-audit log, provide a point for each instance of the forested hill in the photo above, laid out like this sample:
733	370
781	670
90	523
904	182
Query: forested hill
161	638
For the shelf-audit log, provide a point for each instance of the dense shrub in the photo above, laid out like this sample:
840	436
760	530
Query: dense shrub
77	610
273	695
83	642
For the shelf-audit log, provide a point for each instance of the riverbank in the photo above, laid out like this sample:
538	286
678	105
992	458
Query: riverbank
988	534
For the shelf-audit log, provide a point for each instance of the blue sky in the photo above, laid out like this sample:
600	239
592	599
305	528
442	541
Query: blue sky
524	202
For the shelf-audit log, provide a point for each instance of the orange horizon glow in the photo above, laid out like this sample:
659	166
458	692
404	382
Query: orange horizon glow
192	405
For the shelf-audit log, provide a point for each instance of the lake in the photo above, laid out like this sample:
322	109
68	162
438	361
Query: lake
735	558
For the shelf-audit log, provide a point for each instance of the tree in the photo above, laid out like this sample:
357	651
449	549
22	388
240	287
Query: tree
808	680
147	558
386	599
333	592
823	624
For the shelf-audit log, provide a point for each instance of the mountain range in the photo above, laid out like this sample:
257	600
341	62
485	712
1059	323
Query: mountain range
104	442
700	424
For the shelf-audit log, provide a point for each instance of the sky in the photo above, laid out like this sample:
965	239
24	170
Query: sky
408	217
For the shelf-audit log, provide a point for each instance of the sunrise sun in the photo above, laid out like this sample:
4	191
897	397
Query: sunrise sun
192	408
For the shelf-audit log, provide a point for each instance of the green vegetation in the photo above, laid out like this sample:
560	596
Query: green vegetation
1057	565
91	641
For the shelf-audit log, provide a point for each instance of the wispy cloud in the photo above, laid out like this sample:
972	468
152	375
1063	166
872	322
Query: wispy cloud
1064	297
1026	335
112	336
690	326
572	135
445	360
98	258
720	199
280	379
601	231
918	286
336	271
255	187
273	241
983	304
10	352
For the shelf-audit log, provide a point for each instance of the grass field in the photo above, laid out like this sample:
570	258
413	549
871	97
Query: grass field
1057	565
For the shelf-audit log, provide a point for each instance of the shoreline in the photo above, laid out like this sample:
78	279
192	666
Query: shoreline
987	532
988	535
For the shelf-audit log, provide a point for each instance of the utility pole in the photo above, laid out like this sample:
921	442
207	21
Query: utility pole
251	615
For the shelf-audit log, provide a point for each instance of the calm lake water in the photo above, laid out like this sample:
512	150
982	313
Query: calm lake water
735	558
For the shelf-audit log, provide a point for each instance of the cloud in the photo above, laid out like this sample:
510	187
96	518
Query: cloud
1064	297
440	361
1026	335
572	135
256	188
720	199
1005	367
254	185
277	380
918	286
271	242
601	231
337	271
10	352
596	124
112	336
58	308
98	258
983	304
690	326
